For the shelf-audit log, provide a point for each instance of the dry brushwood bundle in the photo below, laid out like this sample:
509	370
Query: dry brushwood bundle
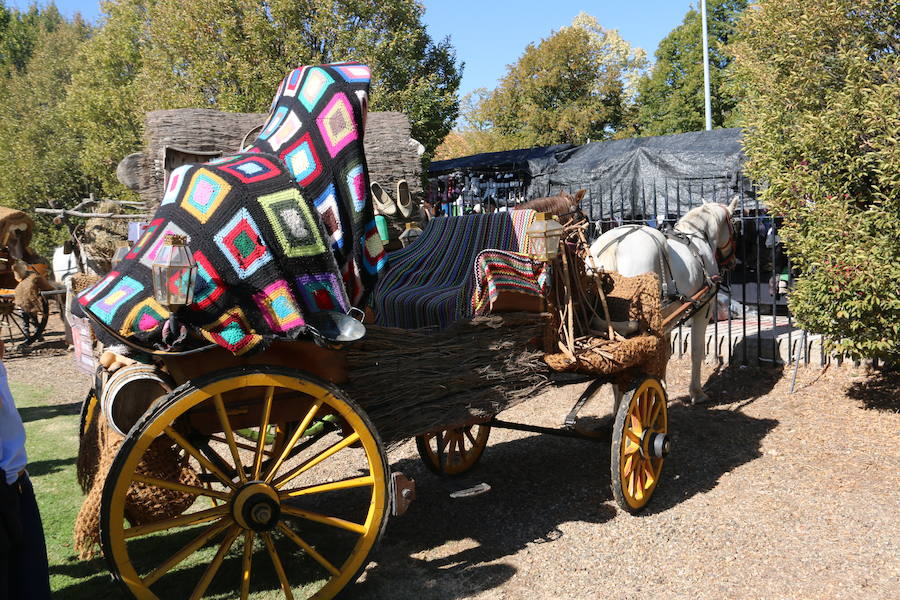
586	308
414	382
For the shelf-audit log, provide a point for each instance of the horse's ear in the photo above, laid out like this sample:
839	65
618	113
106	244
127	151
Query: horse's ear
579	196
732	206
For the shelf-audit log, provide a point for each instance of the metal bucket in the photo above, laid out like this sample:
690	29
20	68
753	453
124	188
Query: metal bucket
129	392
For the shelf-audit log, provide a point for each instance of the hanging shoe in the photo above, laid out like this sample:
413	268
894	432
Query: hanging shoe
384	205
404	200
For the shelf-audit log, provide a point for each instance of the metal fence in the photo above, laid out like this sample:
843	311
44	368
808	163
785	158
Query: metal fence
754	324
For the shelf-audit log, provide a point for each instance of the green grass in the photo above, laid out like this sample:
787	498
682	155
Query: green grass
52	445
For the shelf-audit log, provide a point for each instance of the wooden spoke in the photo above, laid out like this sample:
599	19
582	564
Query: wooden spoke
636	421
443	441
330	487
180	487
190	449
629	466
276	562
453	449
655	413
246	563
202	516
633	437
324	519
649	476
309	549
469	435
195	544
229	435
263	431
213	567
294	439
312	462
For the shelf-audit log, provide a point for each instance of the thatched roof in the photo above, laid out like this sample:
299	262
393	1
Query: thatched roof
390	154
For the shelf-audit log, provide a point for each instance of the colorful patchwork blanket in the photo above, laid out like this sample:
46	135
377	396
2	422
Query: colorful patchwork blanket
278	232
498	270
430	283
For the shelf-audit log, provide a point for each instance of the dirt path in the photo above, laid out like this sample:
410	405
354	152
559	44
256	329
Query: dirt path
765	495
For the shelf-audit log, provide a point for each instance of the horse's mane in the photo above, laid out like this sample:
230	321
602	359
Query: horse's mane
693	218
556	205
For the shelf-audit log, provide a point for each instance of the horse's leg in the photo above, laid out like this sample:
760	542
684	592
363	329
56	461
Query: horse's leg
698	352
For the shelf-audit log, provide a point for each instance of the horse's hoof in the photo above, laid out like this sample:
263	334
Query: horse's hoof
699	398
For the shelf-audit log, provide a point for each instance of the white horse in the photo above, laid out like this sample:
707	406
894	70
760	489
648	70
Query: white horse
685	264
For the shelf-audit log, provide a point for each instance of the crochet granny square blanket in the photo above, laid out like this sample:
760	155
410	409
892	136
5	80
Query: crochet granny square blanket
279	231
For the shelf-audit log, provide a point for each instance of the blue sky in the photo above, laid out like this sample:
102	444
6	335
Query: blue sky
490	34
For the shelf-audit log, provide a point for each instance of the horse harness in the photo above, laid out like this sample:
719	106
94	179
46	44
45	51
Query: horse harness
665	266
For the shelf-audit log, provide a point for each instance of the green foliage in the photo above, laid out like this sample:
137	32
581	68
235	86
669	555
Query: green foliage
19	32
102	102
38	143
670	96
232	54
574	86
822	119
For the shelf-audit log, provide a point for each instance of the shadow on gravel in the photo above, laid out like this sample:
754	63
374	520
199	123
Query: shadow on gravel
438	549
706	444
736	383
538	484
880	391
36	413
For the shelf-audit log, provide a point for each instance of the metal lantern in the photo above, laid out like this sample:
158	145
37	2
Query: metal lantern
122	249
174	273
543	237
410	234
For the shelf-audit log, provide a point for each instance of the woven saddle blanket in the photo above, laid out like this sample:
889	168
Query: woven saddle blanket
499	271
278	232
430	283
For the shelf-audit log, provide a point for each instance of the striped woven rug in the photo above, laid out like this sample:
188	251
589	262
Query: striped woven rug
430	283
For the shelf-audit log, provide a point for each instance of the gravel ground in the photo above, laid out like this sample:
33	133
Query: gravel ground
766	495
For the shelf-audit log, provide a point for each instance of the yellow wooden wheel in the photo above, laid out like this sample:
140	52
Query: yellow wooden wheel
640	443
460	448
295	515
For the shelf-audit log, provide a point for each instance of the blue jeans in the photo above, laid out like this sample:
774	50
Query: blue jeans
24	572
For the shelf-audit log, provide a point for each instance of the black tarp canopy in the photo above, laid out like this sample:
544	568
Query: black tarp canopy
629	178
526	159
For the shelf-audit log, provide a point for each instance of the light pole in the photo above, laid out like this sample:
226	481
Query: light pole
707	103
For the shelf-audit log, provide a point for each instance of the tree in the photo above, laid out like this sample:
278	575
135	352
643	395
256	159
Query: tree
102	100
232	54
670	96
573	86
19	32
821	114
36	157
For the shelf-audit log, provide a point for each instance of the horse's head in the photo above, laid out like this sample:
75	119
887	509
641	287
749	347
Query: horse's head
723	218
715	223
573	201
564	205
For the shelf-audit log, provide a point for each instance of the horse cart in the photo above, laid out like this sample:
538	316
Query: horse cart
23	288
227	462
